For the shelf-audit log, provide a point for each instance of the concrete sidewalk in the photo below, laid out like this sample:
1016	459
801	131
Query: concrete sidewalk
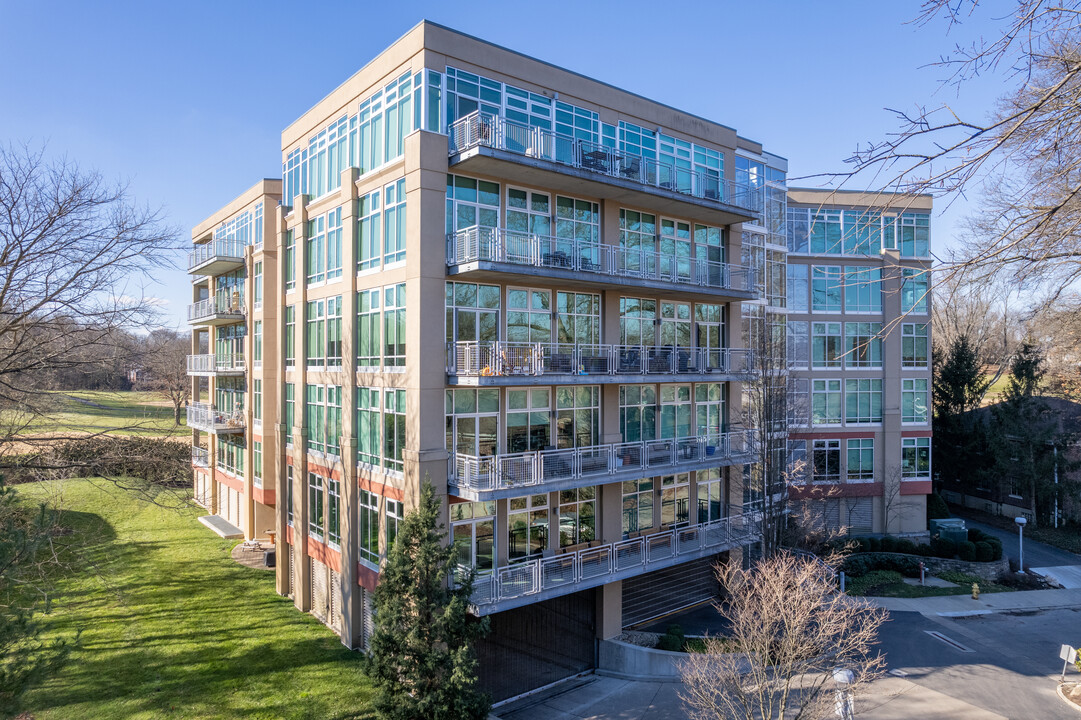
957	605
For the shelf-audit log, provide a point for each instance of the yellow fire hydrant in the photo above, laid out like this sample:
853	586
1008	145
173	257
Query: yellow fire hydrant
975	591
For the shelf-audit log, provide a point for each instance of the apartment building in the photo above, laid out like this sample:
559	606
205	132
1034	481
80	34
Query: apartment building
530	288
859	356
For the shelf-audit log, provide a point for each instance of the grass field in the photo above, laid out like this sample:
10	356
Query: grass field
889	583
172	627
124	413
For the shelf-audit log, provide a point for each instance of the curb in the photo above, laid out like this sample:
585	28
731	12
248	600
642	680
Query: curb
1071	703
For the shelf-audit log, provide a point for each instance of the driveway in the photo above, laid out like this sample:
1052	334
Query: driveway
1063	566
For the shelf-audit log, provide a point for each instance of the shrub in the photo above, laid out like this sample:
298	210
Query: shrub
862	545
984	552
889	544
967	551
864	563
943	548
975	534
669	642
936	507
904	545
676	630
874	544
872	581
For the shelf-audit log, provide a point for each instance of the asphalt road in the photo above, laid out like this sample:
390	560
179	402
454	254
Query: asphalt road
1036	554
1008	665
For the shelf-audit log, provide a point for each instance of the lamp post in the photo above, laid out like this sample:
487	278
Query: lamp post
843	707
1020	543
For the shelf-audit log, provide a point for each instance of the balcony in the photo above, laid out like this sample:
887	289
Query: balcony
536	580
492	145
217	311
486	252
226	365
492	477
216	257
508	363
206	418
200	456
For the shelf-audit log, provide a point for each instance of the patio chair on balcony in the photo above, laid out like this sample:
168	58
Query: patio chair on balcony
630	168
630	361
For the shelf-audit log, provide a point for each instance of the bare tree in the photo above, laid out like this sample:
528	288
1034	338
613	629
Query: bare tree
1025	158
72	251
791	629
765	418
164	362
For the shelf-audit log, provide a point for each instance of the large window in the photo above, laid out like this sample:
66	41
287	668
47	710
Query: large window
915	288
710	489
863	400
288	413
637	505
257	344
316	334
675	499
334	332
289	264
826	402
290	339
863	232
863	346
394	325
369	231
914	350
315	415
315	506
798	347
394	223
472	525
914	400
471	203
472	312
368	425
676	324
334	507
395	516
527	527
315	261
637	242
798	288
472	421
368	527
916	458
637	318
825	234
826	461
861	460
383	120
528	419
578	416
912	233
289	495
368	325
529	315
863	290
826	282
257	401
393	429
637	412
676	411
327	158
826	345
578	318
577	516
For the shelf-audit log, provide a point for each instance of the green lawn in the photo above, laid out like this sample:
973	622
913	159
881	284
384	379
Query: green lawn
172	627
125	413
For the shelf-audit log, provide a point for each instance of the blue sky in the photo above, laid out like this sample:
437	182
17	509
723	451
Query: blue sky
186	101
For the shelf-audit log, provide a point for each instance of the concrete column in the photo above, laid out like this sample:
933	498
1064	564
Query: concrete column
610	610
298	222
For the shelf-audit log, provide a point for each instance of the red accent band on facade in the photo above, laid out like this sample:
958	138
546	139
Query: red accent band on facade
366	577
229	481
915	487
916	433
381	488
263	495
327	555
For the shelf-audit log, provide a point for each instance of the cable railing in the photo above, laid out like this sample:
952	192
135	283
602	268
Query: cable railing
222	248
534	468
588	567
203	416
479	243
484	129
219	305
211	363
501	358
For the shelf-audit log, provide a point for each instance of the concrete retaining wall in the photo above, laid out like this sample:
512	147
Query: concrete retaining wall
632	662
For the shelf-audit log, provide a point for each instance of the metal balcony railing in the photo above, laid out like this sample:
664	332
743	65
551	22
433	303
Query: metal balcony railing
214	363
589	567
205	417
220	305
223	249
200	456
539	467
480	243
501	358
483	129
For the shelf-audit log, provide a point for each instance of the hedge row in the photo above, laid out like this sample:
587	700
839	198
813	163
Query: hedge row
980	547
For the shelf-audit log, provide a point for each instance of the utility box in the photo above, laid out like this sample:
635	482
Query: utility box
952	529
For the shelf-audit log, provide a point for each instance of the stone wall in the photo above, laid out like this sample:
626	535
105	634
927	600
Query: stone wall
987	571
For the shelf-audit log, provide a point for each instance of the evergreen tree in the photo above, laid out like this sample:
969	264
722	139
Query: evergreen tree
960	438
422	662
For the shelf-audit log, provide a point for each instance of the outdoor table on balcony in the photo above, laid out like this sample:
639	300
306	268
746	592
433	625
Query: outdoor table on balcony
596	160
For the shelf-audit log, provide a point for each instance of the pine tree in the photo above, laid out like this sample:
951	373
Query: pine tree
960	447
422	662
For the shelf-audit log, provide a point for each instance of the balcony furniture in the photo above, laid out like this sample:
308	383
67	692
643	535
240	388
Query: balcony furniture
562	363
